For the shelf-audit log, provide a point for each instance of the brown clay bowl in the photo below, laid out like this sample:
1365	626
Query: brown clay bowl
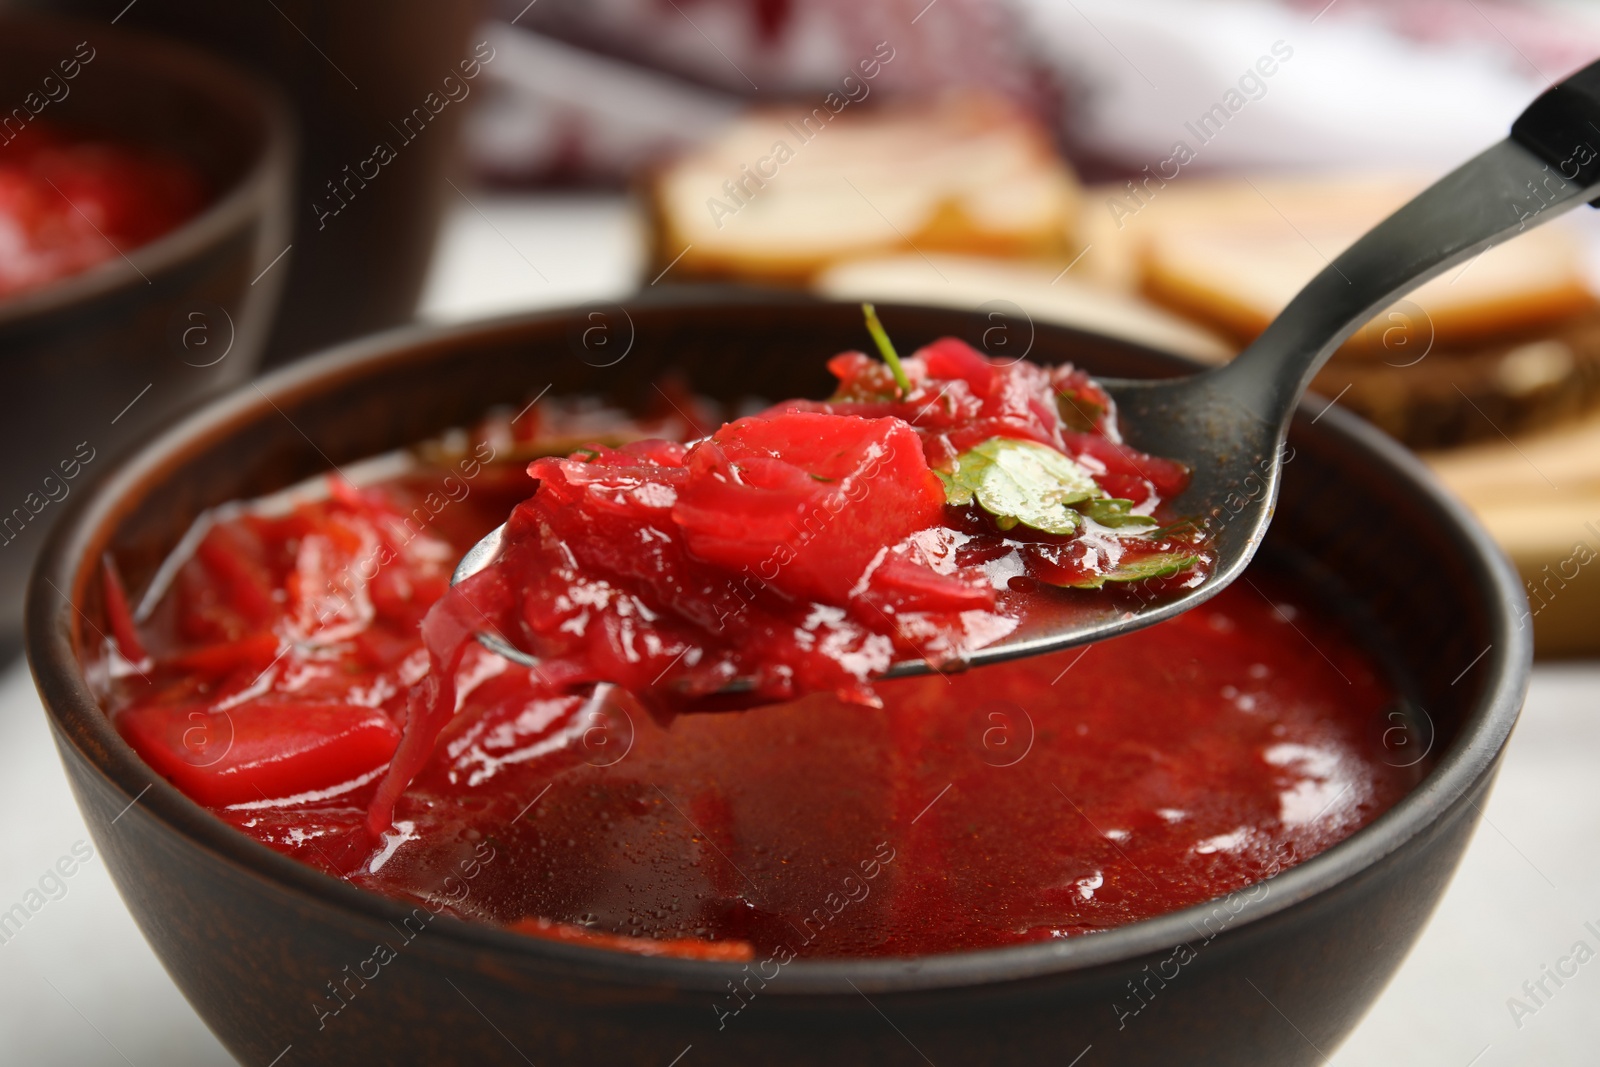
349	70
251	937
93	361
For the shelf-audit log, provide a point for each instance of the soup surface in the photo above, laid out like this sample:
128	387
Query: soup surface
288	645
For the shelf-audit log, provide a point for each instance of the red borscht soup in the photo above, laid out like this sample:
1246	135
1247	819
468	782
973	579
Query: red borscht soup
302	667
69	202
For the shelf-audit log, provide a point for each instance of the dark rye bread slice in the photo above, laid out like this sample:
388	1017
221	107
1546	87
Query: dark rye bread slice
1456	395
1504	344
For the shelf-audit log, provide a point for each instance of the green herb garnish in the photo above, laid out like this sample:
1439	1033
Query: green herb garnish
1185	524
1155	565
1114	511
1021	482
1077	411
885	347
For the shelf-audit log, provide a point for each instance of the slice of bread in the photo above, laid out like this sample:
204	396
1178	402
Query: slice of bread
1231	253
1123	221
1452	396
780	195
1240	281
1555	465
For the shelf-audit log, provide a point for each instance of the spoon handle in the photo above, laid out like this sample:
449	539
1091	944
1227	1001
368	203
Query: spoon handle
1549	164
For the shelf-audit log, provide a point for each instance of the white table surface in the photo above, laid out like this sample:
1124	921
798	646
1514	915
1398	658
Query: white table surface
79	987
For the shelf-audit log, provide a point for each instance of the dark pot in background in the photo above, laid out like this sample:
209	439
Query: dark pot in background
350	68
253	938
92	361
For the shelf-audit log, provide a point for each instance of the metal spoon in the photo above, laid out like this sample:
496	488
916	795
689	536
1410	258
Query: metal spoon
1229	424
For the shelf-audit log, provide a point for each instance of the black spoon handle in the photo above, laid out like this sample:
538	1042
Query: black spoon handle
1562	127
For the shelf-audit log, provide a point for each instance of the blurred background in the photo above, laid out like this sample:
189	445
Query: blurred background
1166	171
